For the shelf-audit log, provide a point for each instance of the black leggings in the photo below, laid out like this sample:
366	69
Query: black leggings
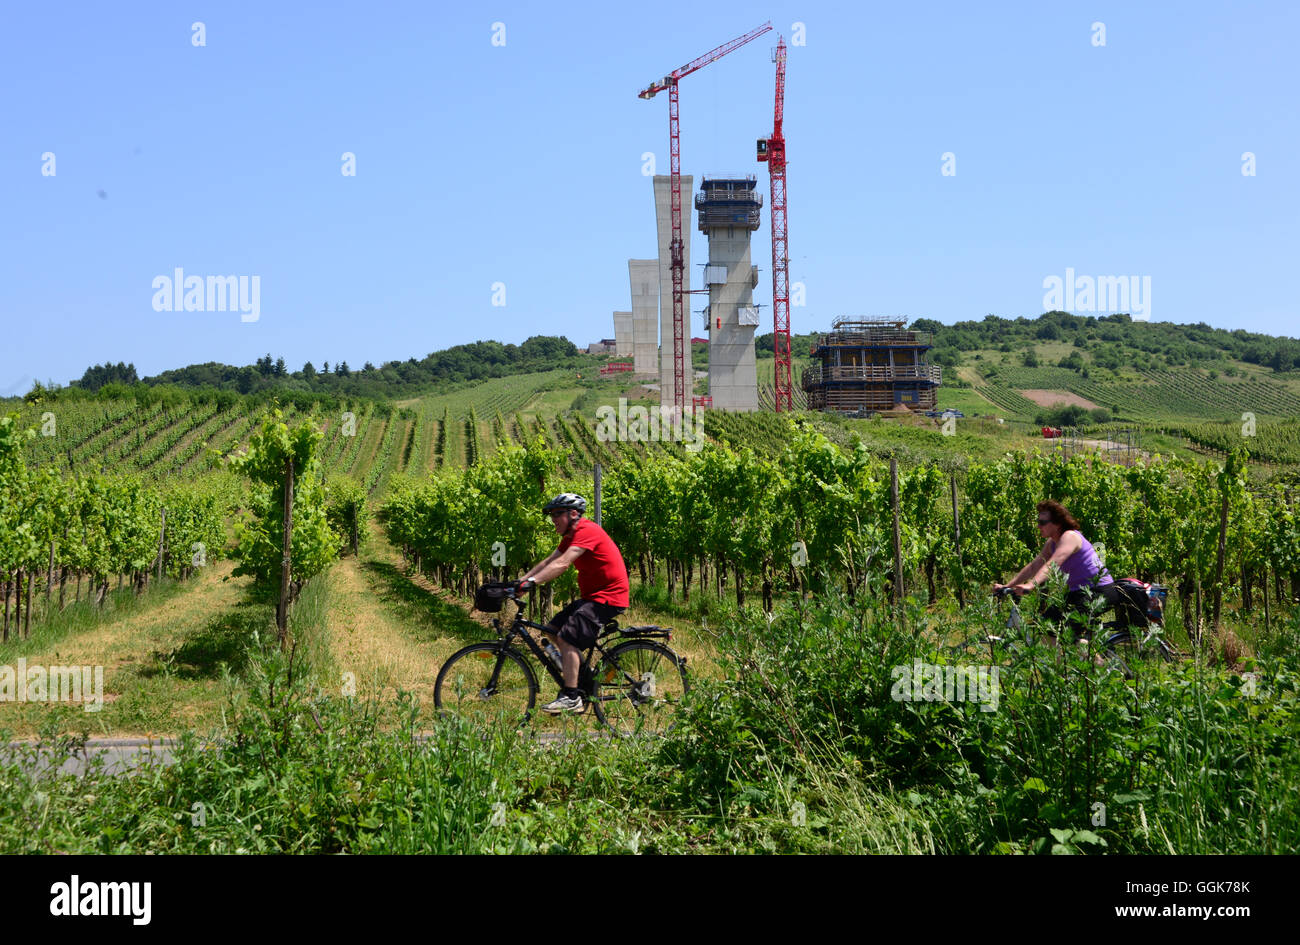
1078	607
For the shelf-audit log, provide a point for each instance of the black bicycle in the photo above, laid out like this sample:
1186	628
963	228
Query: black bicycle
633	682
1010	646
1117	646
1138	640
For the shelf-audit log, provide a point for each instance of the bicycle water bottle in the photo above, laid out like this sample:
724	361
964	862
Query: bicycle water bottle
554	654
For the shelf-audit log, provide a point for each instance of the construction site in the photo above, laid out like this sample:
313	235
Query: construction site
863	364
871	364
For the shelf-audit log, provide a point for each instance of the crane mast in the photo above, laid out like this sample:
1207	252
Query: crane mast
772	150
677	265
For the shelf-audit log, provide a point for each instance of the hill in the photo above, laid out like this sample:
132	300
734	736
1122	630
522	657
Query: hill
477	361
1182	387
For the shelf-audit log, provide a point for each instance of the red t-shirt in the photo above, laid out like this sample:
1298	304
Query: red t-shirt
602	575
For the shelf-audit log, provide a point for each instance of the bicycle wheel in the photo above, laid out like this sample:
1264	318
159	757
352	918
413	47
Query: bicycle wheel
486	680
638	687
1123	642
972	650
1158	645
1111	658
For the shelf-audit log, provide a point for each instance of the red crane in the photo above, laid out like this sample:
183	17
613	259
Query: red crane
678	264
772	150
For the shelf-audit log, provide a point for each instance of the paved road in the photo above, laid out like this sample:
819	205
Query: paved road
125	755
119	755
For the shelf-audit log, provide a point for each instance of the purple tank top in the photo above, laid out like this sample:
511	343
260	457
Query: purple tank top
1082	566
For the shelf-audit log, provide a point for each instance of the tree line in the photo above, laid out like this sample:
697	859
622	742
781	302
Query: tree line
460	363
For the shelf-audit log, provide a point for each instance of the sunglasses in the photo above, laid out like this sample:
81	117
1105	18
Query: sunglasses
1044	521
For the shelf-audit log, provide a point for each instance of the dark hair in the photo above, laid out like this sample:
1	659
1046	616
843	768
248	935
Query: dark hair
1060	516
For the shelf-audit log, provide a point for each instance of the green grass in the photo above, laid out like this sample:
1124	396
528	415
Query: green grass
964	399
801	745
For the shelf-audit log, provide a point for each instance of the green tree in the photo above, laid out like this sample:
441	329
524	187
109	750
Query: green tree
261	537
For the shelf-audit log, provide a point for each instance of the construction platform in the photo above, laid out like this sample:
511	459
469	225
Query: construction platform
871	364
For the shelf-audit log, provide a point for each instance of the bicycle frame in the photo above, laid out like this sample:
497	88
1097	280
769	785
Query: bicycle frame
1128	636
517	628
1015	623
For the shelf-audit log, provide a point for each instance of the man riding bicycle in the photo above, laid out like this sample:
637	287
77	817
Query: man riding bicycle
1087	577
602	586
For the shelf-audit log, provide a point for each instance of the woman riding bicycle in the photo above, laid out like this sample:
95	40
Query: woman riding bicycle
1087	577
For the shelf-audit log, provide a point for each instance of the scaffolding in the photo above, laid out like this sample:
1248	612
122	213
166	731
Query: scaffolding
727	201
866	364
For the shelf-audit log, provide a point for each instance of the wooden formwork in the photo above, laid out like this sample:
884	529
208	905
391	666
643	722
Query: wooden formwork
868	397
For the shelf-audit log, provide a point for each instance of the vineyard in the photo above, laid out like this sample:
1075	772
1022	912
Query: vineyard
368	440
96	528
1273	441
771	550
374	442
727	512
1013	402
1147	396
765	369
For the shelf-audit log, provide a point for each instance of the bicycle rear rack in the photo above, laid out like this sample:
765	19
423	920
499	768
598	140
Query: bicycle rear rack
662	633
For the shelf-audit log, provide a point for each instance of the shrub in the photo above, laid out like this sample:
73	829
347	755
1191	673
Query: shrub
347	511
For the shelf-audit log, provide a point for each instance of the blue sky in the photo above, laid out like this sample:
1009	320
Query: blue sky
522	164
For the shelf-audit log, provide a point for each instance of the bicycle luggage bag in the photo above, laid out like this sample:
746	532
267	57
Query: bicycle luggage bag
491	597
1146	601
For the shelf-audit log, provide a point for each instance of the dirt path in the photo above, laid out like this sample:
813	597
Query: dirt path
391	630
162	659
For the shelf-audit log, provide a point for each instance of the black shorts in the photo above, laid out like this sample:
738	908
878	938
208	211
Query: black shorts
582	620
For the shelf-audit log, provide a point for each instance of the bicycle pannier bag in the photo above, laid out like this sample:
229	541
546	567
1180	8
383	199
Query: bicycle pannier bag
491	597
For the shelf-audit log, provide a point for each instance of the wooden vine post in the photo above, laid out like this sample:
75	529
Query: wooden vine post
282	611
354	528
898	534
956	544
1217	604
162	542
